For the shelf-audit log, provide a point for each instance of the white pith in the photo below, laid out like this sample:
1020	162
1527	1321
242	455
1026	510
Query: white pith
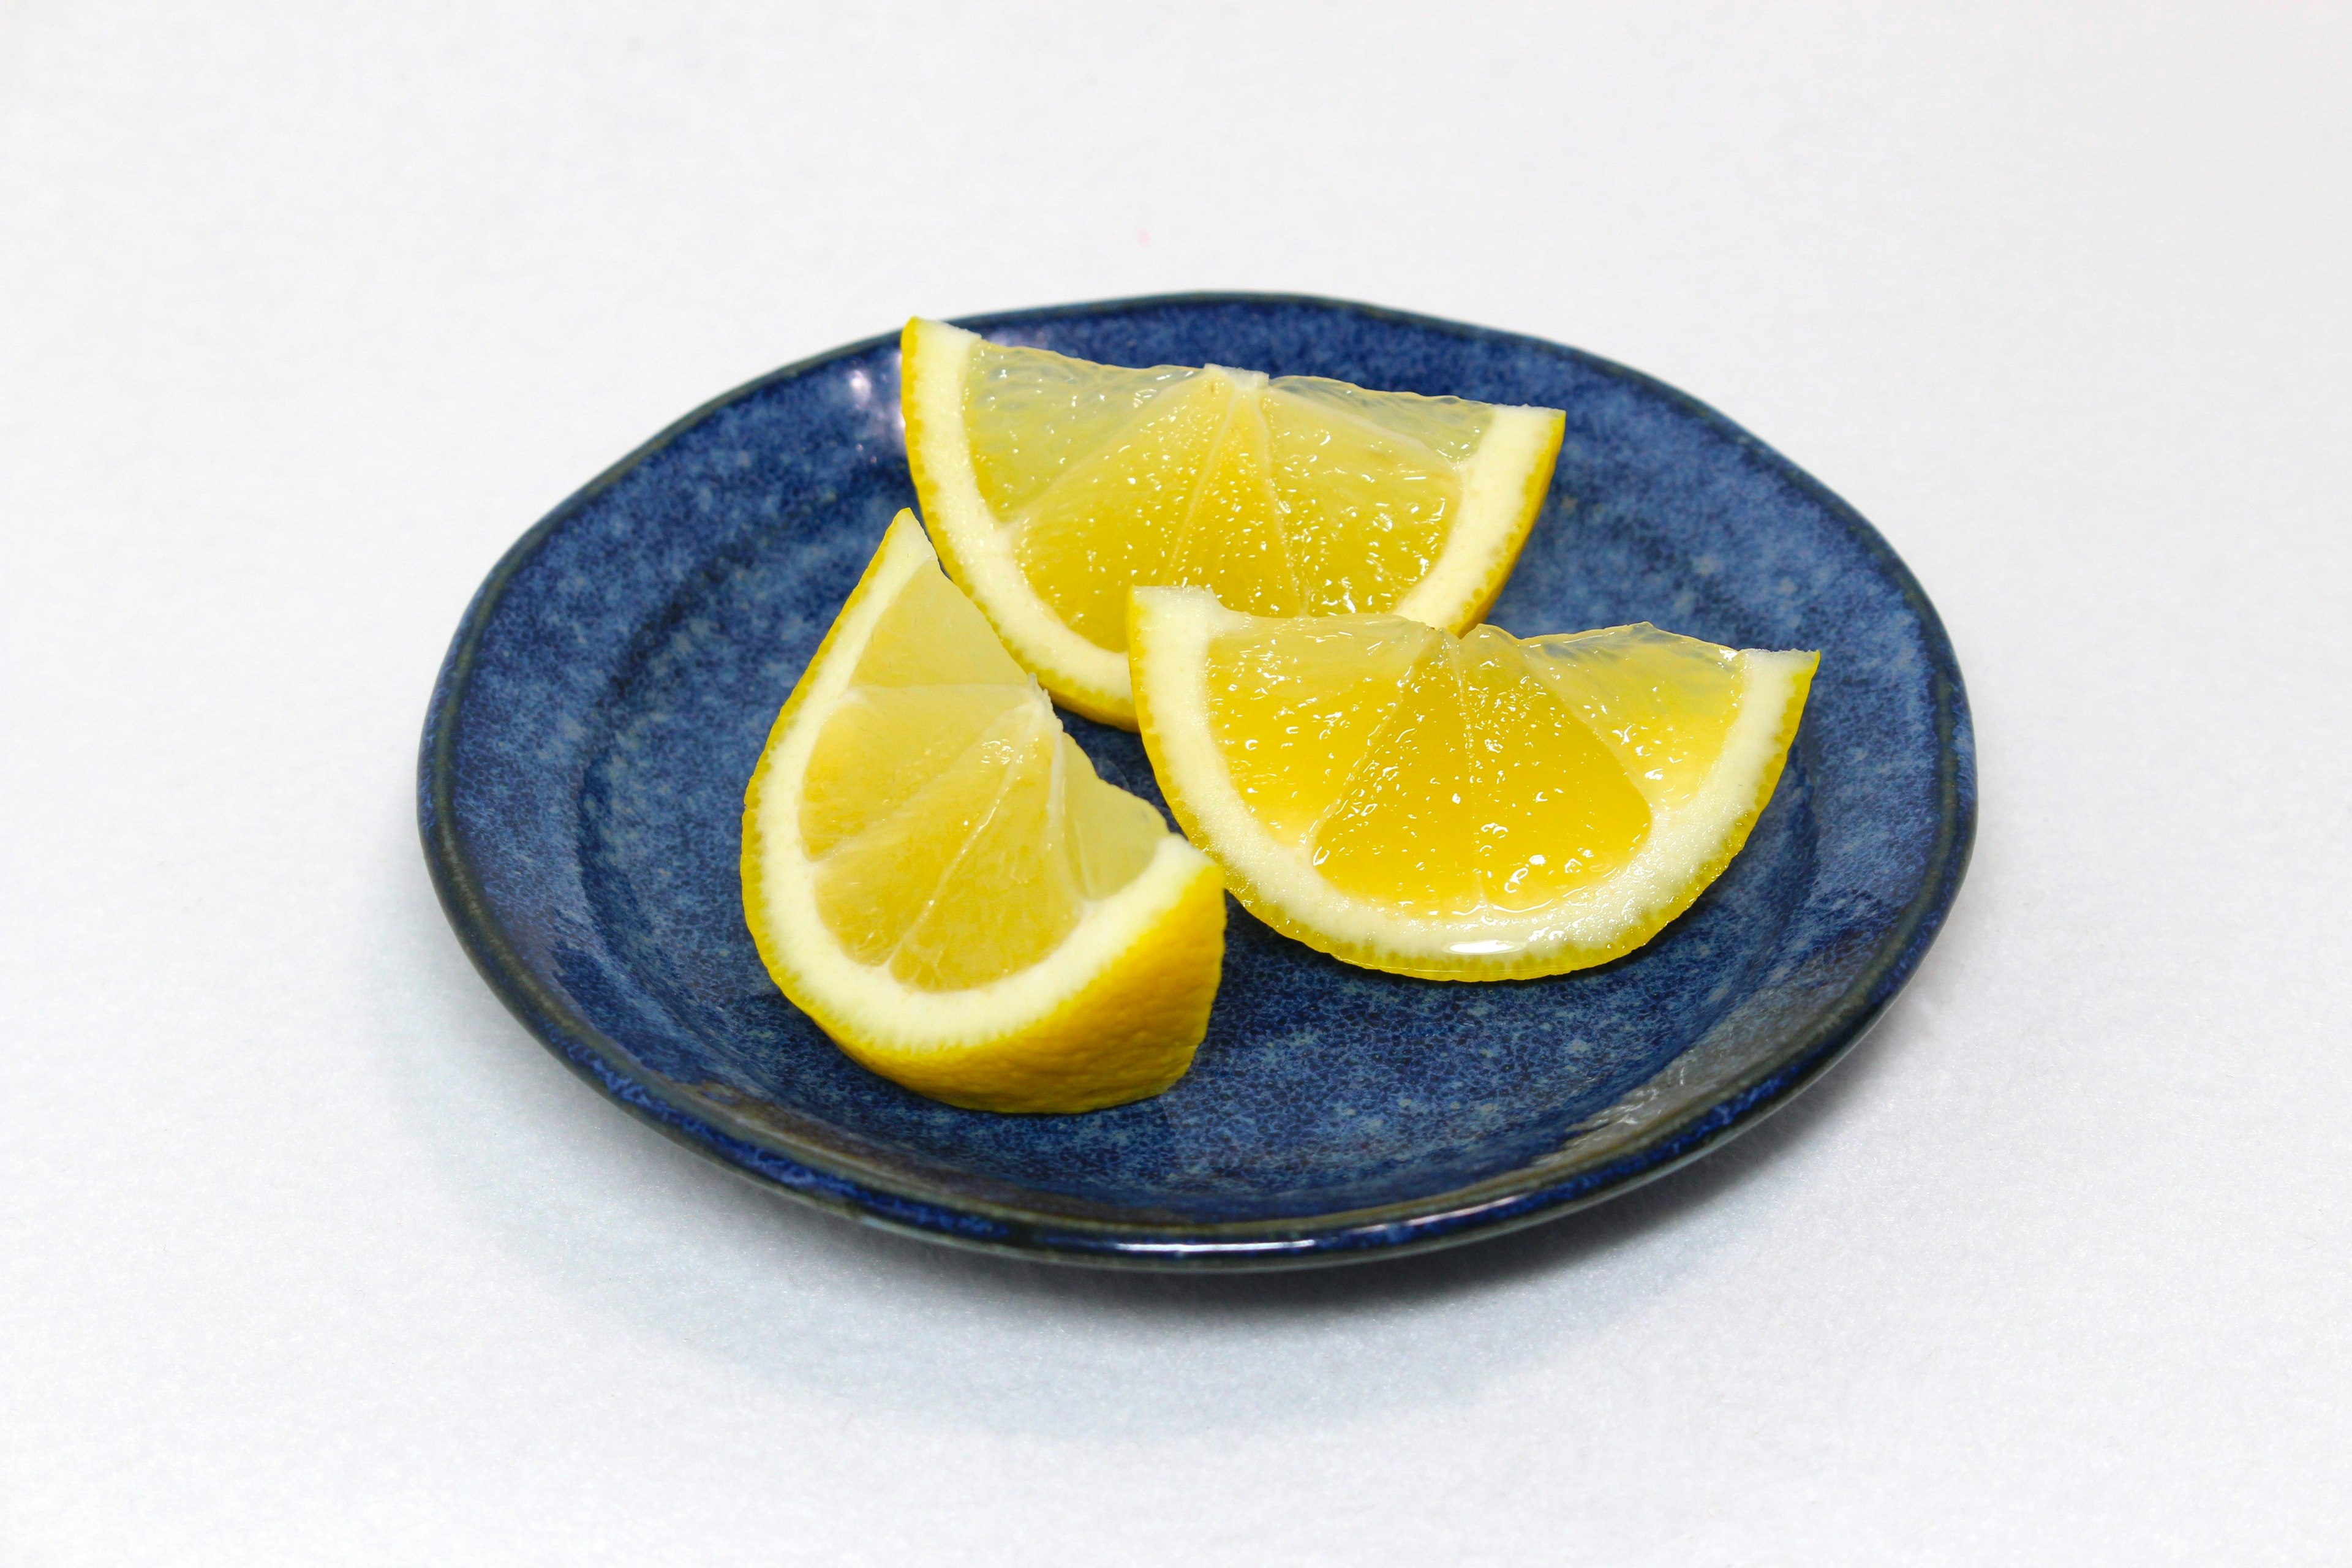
867	1000
1172	628
1478	547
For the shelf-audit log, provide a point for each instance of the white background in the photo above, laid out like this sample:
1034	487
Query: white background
309	1255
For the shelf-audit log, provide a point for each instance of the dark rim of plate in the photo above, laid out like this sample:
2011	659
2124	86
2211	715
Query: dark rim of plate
860	1191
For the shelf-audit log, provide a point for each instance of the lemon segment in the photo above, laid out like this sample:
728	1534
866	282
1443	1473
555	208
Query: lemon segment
1053	485
1464	808
933	872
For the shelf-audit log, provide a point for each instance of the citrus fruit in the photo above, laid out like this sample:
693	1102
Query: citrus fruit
1471	808
934	873
1052	486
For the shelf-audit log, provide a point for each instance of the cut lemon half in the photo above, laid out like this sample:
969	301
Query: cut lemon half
1472	808
933	872
1052	486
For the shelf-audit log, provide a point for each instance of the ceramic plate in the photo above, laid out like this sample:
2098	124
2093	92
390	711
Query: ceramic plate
582	783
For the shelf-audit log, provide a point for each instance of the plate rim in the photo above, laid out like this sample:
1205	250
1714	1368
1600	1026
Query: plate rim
1522	1196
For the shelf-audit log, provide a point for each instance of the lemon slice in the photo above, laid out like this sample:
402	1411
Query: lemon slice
1472	808
1052	485
933	872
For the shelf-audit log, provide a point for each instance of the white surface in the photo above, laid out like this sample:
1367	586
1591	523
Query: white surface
312	1255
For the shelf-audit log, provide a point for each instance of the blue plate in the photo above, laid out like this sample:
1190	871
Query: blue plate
582	782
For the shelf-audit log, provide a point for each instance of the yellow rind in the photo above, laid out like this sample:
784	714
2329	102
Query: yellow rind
1128	1035
1507	559
1178	784
941	463
1092	681
1542	428
1123	1024
931	454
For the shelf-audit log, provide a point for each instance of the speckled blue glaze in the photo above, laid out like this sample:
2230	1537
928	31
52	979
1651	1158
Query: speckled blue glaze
584	759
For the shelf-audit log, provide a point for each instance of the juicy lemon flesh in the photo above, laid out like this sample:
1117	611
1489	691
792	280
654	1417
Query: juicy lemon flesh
956	835
1297	496
1662	704
1440	775
1478	807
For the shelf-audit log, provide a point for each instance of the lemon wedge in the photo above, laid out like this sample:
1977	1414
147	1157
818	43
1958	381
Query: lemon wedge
1053	485
933	872
1472	808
